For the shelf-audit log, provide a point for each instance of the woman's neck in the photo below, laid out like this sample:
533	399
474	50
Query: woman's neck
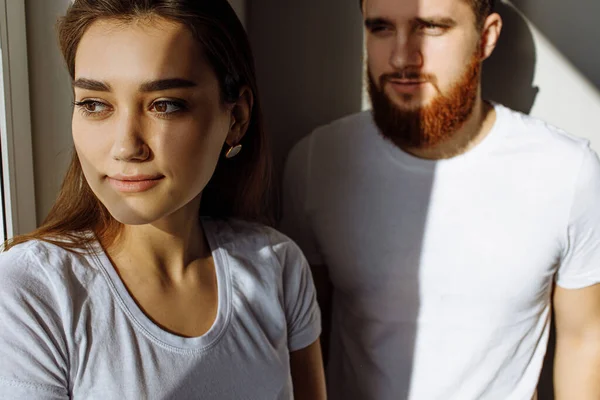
166	249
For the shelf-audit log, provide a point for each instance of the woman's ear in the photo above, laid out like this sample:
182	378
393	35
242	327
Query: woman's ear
241	113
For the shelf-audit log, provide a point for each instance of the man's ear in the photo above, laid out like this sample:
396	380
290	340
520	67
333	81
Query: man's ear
241	113
490	35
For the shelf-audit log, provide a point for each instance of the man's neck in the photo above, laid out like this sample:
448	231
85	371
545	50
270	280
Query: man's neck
474	130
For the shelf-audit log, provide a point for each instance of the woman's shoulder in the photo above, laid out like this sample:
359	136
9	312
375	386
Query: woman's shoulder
252	239
237	230
39	262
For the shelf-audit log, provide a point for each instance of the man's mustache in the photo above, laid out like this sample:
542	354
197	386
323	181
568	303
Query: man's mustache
407	75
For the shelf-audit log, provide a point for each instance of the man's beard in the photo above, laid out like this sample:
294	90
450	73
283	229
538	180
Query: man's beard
425	126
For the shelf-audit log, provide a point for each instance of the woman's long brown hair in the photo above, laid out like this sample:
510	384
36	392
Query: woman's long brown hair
239	188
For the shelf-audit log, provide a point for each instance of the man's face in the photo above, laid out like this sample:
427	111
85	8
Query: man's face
417	49
424	60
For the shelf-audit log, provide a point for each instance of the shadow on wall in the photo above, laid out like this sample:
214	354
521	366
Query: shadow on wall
308	60
572	27
508	74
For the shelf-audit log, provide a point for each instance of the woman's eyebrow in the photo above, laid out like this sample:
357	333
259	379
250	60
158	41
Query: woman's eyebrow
150	86
90	84
165	84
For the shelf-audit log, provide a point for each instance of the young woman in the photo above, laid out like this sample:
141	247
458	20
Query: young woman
149	280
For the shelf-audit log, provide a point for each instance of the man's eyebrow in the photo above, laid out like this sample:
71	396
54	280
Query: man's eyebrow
90	84
165	84
443	21
377	21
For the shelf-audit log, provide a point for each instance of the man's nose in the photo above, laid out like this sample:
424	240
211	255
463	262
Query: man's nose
407	52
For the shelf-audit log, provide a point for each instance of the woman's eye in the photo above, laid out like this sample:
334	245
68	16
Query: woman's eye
91	106
166	107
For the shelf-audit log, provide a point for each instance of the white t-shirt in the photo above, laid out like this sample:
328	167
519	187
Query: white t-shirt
443	270
70	329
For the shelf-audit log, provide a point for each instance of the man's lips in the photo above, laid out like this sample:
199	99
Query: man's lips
407	81
406	86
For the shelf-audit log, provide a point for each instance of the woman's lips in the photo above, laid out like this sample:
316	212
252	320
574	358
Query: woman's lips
134	184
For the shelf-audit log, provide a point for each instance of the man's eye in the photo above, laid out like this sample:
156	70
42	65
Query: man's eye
379	29
433	28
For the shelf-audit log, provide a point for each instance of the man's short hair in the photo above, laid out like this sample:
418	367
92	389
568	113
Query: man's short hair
481	8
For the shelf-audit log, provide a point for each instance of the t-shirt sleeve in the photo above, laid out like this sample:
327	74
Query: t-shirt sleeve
300	301
33	355
295	221
580	264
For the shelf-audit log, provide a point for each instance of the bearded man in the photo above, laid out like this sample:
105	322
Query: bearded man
443	229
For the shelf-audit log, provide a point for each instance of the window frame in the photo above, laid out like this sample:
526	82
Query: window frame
18	188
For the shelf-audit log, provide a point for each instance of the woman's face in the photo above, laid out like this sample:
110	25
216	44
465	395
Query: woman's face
149	123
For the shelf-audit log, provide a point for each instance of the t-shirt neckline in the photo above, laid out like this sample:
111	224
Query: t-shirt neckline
154	332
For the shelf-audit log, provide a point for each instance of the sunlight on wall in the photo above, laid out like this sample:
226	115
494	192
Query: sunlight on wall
566	98
240	8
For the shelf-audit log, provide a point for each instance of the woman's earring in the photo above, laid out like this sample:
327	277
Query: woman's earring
233	151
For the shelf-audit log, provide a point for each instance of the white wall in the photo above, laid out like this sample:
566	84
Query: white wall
572	27
552	72
50	92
